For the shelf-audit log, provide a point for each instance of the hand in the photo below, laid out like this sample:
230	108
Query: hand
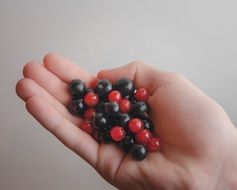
199	140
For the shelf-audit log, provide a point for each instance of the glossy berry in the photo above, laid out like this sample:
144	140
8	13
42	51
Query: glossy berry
87	127
91	99
105	137
77	107
90	114
127	143
139	109
117	133
114	96
77	88
148	124
139	151
111	108
125	106
123	119
154	144
135	125
103	88
125	86
143	136
142	95
100	122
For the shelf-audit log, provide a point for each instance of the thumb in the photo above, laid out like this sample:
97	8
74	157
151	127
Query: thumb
143	75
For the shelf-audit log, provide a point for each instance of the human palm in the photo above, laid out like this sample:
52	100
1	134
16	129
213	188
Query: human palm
188	122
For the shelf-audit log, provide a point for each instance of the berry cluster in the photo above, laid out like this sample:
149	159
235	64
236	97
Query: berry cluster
115	113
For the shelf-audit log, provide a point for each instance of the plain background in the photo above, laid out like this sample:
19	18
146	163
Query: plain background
195	38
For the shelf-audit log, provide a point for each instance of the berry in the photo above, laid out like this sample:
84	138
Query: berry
100	122
103	88
138	152
87	127
89	114
154	144
114	96
77	107
143	136
105	137
125	106
100	108
127	143
139	109
77	88
135	125
91	99
142	94
117	133
148	124
123	119
124	86
111	108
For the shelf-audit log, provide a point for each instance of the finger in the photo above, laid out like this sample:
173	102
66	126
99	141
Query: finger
27	88
47	80
65	69
143	75
70	135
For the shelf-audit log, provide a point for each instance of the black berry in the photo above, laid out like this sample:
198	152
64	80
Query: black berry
148	124
139	151
77	107
105	137
111	108
140	109
125	86
127	143
103	87
123	119
77	88
100	122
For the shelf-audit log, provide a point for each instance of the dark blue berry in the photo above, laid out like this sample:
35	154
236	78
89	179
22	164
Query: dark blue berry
103	87
127	143
148	124
105	137
77	88
125	86
100	122
77	107
139	151
123	119
140	109
111	108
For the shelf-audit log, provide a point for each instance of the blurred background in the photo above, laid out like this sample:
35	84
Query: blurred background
195	38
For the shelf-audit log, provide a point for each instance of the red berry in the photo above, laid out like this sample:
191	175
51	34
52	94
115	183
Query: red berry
91	99
125	106
87	127
143	136
114	96
135	125
94	83
142	94
90	114
117	133
154	144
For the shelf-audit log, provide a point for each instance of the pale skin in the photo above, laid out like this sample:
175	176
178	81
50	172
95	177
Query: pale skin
199	141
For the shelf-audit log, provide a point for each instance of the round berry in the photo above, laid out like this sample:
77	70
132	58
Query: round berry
77	88
89	114
123	119
154	144
125	86
135	125
100	122
127	143
103	88
111	108
143	136
114	96
139	109
105	137
91	99
148	124
117	133
125	105
142	94
139	152
77	107
87	127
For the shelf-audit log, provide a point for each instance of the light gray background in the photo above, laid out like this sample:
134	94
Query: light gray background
196	38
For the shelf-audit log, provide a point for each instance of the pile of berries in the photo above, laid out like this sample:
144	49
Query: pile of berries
116	113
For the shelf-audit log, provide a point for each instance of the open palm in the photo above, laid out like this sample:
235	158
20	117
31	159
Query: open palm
189	123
